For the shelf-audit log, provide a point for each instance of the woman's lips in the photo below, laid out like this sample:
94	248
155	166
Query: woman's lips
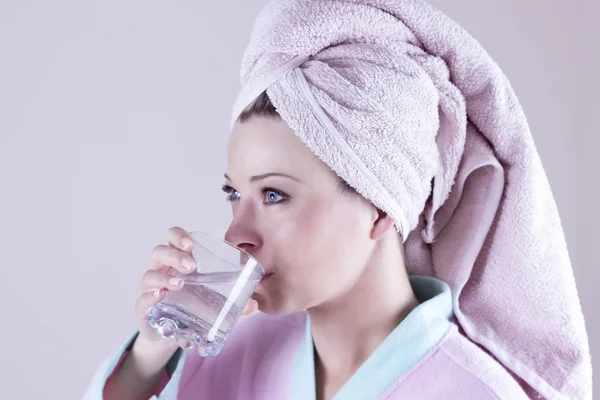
266	276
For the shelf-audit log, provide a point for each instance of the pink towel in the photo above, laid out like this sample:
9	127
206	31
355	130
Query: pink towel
411	111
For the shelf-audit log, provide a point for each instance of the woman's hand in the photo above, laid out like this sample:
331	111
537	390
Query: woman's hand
176	255
141	369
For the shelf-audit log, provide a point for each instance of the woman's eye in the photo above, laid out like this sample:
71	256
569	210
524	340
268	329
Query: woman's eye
272	196
232	194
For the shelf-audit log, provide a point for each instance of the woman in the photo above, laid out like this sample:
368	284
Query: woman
347	138
332	253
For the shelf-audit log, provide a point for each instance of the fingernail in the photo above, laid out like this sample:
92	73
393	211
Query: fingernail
188	264
174	281
186	243
157	293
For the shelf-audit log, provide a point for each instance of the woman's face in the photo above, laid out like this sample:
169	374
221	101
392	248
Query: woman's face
289	212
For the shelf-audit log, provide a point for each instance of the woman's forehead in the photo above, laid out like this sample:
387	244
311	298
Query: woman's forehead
263	145
266	141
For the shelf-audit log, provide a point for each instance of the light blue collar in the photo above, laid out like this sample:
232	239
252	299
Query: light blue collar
408	343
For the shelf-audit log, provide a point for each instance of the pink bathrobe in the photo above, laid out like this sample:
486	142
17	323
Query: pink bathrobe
271	357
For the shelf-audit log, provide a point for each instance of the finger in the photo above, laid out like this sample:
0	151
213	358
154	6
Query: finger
148	300
180	239
163	255
153	279
251	306
183	343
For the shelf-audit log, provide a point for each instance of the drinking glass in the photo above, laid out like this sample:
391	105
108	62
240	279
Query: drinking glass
205	310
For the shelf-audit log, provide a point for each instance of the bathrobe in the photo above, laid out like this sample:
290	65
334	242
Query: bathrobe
272	357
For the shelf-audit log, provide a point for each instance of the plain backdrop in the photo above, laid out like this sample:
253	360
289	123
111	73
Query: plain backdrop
113	128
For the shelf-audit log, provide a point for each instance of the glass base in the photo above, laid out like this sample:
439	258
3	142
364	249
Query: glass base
186	329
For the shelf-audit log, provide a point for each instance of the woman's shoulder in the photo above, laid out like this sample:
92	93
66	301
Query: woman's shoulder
465	371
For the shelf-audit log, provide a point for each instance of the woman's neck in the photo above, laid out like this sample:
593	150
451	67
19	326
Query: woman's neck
348	329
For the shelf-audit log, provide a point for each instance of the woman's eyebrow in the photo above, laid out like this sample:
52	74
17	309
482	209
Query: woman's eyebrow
267	175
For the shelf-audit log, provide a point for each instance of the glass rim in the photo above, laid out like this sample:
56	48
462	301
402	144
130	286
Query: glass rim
191	233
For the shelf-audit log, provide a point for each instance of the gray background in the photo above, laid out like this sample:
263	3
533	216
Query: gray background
113	126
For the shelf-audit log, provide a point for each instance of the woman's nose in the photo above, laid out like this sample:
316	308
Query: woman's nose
242	233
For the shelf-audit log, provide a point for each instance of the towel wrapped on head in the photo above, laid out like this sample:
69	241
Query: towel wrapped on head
410	110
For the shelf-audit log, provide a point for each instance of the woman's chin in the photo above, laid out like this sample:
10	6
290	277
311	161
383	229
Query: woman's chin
267	305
